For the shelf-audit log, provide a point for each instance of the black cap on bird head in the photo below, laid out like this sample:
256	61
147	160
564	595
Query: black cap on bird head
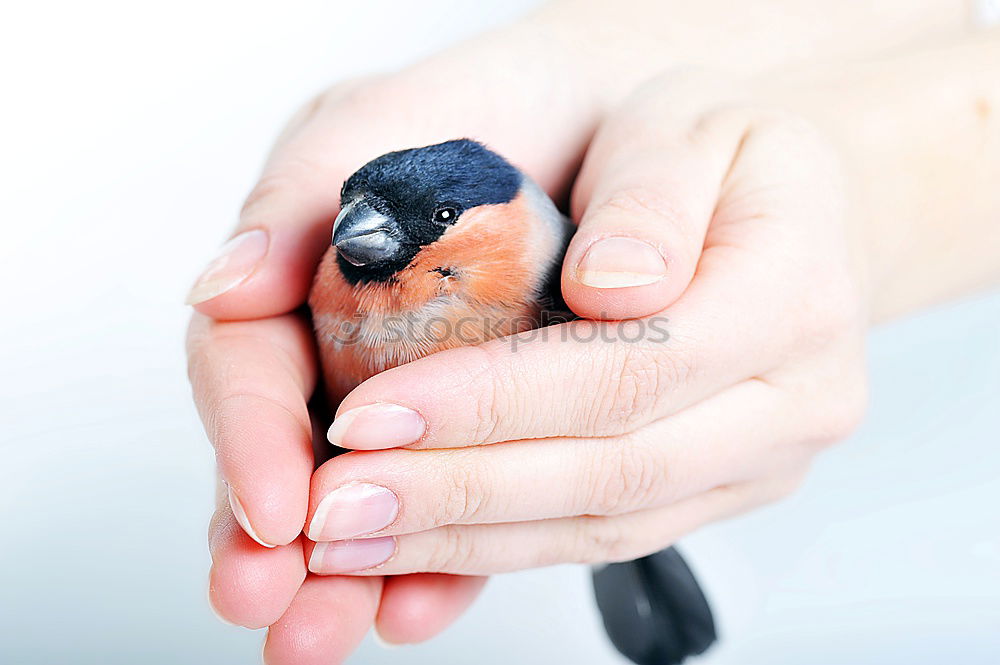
402	201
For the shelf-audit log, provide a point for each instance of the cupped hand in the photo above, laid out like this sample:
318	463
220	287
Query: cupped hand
251	357
718	227
663	174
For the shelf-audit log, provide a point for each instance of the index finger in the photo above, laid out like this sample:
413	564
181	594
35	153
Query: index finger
645	195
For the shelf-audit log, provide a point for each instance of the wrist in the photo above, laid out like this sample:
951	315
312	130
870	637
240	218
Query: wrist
917	136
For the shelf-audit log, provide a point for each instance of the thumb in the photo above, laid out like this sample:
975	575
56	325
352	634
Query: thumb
645	197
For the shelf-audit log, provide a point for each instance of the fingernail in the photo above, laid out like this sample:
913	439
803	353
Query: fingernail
381	641
241	517
376	426
619	262
351	556
353	510
236	261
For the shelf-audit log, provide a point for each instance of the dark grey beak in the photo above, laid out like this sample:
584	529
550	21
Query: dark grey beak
363	235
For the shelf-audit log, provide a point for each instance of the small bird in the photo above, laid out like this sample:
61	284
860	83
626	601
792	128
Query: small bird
431	244
450	245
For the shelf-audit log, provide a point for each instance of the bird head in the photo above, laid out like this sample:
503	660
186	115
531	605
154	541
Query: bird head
434	247
404	201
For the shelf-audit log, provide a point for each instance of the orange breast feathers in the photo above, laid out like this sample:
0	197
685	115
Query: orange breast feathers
480	280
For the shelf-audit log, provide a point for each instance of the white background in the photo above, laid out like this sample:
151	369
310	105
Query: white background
129	132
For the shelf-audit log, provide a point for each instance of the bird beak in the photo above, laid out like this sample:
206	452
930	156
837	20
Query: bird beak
363	235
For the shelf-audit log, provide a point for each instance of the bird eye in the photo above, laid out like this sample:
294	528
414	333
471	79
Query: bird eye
445	215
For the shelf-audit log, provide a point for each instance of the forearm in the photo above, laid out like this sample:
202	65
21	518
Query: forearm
573	61
920	137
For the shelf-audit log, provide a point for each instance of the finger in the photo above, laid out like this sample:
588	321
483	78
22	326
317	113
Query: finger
248	585
325	623
645	196
496	548
722	440
266	267
251	381
581	378
415	608
611	378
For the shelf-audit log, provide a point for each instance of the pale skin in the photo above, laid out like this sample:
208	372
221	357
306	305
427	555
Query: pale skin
779	212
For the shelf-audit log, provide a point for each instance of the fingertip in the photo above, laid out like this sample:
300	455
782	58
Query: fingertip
241	518
325	623
417	607
299	642
271	509
408	389
376	426
234	263
251	381
260	272
620	277
264	457
616	262
250	586
380	640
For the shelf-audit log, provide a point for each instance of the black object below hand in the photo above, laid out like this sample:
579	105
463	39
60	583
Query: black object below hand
653	609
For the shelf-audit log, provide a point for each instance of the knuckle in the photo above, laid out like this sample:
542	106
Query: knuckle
638	376
628	476
270	185
721	119
491	395
488	411
455	552
283	179
787	125
348	92
804	145
678	91
366	93
785	485
315	105
637	201
600	540
306	114
818	312
844	304
467	490
843	414
833	389
831	309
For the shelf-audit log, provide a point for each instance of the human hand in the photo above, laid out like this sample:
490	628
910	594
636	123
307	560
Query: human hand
251	355
251	585
591	442
535	96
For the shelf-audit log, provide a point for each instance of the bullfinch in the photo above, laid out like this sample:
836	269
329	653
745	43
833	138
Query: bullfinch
449	245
